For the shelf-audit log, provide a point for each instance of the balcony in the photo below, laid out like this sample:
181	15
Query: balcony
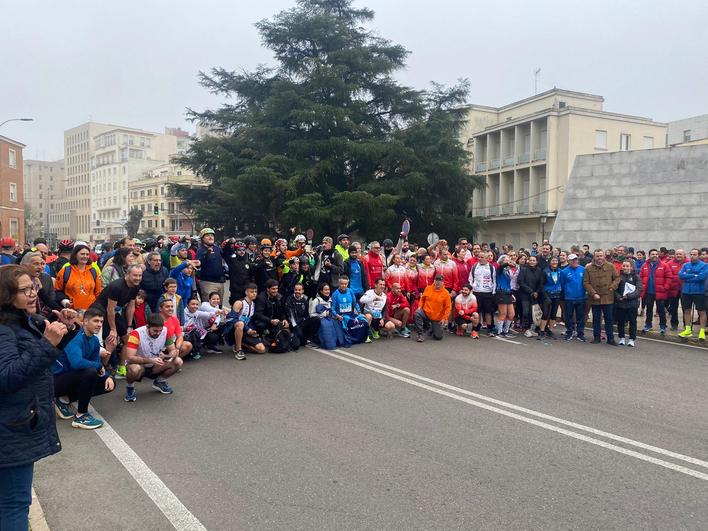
482	166
538	205
523	158
495	163
509	160
539	154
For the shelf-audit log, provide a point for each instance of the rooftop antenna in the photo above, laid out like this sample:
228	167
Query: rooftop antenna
536	72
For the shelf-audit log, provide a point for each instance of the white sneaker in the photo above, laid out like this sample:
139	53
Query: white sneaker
621	341
630	343
529	333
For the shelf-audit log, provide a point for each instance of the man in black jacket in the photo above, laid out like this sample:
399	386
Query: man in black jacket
297	308
531	280
329	264
269	315
240	270
153	281
265	268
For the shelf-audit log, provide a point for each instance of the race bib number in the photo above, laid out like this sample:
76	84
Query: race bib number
345	308
376	314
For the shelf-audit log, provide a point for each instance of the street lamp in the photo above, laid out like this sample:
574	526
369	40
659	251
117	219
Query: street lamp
17	120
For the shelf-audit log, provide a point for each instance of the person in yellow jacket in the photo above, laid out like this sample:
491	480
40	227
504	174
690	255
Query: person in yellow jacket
433	309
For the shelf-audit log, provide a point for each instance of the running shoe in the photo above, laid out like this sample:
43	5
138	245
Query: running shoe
646	328
375	334
63	410
621	341
120	372
662	330
630	343
474	334
196	356
130	395
86	422
163	387
688	332
702	334
405	333
368	339
239	354
419	339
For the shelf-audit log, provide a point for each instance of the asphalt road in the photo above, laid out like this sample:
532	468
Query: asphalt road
311	440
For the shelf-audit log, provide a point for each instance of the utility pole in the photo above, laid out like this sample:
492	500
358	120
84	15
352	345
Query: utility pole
536	72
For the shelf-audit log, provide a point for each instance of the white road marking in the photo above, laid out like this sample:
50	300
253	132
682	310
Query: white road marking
369	365
668	342
178	515
507	340
527	411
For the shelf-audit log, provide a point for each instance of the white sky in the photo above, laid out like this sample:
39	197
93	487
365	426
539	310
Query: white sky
135	62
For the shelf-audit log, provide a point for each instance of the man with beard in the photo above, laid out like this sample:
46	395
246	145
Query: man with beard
241	271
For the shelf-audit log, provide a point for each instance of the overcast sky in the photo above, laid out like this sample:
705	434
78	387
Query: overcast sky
135	62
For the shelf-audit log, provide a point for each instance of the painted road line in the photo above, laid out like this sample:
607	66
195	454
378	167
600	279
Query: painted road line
359	360
507	340
178	515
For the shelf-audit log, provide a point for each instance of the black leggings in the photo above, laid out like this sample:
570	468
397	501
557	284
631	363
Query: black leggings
550	309
80	385
626	316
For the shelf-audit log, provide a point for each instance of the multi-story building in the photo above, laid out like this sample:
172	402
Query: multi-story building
688	130
44	190
526	150
100	160
122	155
163	212
73	214
12	209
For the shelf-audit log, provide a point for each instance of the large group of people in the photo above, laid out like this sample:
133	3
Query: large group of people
73	320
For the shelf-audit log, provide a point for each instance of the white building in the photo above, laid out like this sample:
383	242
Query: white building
44	191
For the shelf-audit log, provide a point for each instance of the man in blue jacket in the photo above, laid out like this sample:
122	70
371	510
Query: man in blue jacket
694	274
211	272
79	373
574	298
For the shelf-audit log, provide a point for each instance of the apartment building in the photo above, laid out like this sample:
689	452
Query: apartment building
12	210
44	190
122	155
525	150
689	130
163	212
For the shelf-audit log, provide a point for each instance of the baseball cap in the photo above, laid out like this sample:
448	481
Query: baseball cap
572	256
342	237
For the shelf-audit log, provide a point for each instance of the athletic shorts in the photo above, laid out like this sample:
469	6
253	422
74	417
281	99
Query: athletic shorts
696	299
485	303
250	341
147	373
503	297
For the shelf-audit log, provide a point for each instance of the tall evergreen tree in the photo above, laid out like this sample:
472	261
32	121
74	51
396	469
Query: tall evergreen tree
327	138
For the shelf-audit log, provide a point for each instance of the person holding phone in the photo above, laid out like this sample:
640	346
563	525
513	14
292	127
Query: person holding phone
150	353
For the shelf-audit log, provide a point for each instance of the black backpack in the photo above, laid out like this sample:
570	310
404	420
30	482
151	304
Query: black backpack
280	342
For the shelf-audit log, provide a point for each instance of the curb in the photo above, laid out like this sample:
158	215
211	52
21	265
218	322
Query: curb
36	515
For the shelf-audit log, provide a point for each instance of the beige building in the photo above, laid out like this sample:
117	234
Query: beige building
526	150
44	190
122	155
163	212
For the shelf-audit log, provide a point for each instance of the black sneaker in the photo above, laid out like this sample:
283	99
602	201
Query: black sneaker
239	354
568	338
420	338
595	340
549	333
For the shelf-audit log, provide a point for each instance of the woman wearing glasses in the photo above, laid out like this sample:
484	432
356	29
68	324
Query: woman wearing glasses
27	426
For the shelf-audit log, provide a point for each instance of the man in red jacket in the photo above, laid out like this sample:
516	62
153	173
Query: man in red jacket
656	283
374	263
398	310
674	295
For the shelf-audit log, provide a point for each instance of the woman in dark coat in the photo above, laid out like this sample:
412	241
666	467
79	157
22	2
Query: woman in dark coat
27	425
627	302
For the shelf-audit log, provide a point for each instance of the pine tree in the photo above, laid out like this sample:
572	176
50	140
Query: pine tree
328	139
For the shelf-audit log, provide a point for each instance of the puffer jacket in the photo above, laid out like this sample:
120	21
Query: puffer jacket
27	425
632	299
602	281
153	284
693	277
531	280
552	284
662	279
676	284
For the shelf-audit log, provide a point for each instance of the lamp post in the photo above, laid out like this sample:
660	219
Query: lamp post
17	120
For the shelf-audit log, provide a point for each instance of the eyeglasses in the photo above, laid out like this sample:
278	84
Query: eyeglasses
27	291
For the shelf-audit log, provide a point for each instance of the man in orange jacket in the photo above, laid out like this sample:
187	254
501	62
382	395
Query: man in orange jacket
434	309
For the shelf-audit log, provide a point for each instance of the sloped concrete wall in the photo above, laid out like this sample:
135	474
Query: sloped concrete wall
643	199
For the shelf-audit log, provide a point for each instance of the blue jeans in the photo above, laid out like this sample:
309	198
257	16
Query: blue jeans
575	318
15	497
604	310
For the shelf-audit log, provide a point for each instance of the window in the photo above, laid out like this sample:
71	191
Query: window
13	192
648	142
625	142
15	228
600	139
13	158
687	135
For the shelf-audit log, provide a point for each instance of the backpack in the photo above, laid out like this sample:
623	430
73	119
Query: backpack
67	274
280	342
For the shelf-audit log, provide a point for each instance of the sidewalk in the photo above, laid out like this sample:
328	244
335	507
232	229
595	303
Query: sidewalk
671	335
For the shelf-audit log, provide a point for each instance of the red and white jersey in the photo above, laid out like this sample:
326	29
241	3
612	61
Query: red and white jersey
448	269
396	274
426	275
411	280
468	304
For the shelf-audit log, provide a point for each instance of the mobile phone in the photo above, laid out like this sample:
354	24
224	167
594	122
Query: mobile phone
308	248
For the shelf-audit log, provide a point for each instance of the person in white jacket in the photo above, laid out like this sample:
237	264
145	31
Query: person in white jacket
374	304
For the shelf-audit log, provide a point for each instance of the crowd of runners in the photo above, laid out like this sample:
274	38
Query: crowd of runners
140	309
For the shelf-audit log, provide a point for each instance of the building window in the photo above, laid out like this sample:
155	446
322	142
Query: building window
600	139
648	142
13	192
13	158
15	228
625	142
687	135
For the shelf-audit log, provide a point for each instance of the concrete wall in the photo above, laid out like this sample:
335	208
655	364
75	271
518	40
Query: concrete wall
641	198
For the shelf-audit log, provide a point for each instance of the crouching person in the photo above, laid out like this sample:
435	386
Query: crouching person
398	309
374	302
80	374
466	315
239	331
303	327
150	353
200	330
434	309
270	320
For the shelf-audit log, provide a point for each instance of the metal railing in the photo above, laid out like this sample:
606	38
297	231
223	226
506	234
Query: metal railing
482	166
523	157
495	163
539	154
